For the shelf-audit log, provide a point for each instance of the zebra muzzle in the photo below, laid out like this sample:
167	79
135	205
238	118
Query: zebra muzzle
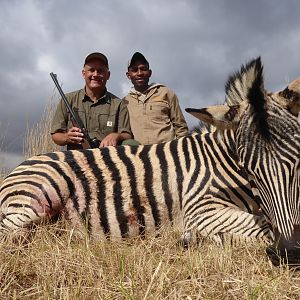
290	257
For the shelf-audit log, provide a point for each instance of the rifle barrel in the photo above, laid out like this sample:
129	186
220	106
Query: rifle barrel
74	117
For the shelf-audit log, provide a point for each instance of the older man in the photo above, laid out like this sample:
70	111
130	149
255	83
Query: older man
103	114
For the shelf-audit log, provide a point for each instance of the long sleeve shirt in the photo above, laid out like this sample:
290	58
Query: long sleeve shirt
155	115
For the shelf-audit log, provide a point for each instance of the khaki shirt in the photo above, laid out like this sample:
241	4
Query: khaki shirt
155	116
108	114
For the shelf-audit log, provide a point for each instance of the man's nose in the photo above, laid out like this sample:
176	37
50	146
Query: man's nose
97	73
139	71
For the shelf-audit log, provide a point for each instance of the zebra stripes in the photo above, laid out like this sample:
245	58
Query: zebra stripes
129	191
267	136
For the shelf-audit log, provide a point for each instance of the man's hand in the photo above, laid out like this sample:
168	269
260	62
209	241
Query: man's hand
74	136
114	138
111	139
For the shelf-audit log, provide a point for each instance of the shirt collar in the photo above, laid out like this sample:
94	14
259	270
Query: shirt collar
151	86
105	98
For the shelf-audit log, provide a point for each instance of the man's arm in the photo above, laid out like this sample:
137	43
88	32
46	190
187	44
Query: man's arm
115	138
176	116
123	128
72	136
60	133
123	119
59	125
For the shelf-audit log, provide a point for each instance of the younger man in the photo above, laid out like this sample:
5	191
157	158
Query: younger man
154	111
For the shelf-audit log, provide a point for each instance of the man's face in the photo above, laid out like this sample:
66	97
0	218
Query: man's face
95	74
139	74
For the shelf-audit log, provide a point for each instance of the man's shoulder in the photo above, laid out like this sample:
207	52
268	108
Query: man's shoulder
126	98
75	93
115	101
156	85
113	97
163	90
161	87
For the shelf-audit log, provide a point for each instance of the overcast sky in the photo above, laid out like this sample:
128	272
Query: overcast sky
192	46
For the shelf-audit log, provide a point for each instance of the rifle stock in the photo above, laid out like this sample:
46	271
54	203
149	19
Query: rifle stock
75	119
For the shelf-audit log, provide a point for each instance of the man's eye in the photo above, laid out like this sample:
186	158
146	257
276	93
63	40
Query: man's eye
99	71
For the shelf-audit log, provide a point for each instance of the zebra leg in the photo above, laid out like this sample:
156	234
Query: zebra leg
217	223
19	215
18	221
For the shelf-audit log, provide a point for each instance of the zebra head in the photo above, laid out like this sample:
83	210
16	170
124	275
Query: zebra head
267	133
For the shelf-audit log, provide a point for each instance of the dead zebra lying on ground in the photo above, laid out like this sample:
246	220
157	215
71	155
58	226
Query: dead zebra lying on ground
129	191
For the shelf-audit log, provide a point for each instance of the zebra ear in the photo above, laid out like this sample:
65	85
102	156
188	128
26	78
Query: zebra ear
290	97
221	116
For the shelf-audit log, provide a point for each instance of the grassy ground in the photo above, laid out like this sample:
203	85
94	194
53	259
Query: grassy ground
54	264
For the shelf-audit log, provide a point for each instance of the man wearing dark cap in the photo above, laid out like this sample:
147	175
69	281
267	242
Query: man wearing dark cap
104	115
155	114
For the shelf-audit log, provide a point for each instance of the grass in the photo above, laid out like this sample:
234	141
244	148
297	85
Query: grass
38	138
55	264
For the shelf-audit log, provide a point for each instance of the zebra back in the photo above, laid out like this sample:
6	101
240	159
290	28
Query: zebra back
130	190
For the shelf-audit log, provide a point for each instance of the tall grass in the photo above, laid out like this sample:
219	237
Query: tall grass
38	138
54	264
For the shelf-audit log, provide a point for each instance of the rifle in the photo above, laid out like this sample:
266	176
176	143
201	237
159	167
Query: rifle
75	119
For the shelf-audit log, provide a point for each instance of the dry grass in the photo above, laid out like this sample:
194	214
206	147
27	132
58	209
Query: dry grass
54	264
38	138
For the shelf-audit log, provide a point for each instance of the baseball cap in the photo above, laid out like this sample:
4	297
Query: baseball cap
96	55
137	56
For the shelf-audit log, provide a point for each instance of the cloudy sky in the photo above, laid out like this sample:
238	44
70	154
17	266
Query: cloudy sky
192	46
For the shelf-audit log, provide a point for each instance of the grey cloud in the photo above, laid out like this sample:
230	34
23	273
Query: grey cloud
192	46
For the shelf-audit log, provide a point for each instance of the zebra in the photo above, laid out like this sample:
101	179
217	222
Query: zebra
267	136
124	191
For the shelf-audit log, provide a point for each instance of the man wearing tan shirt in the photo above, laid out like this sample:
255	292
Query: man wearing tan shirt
154	111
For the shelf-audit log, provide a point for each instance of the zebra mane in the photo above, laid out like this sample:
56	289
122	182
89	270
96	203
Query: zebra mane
238	84
248	85
257	98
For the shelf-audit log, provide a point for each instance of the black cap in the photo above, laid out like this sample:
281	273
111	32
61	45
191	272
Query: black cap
96	55
137	56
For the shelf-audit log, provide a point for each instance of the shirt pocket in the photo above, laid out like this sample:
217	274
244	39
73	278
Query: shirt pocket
159	112
106	123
